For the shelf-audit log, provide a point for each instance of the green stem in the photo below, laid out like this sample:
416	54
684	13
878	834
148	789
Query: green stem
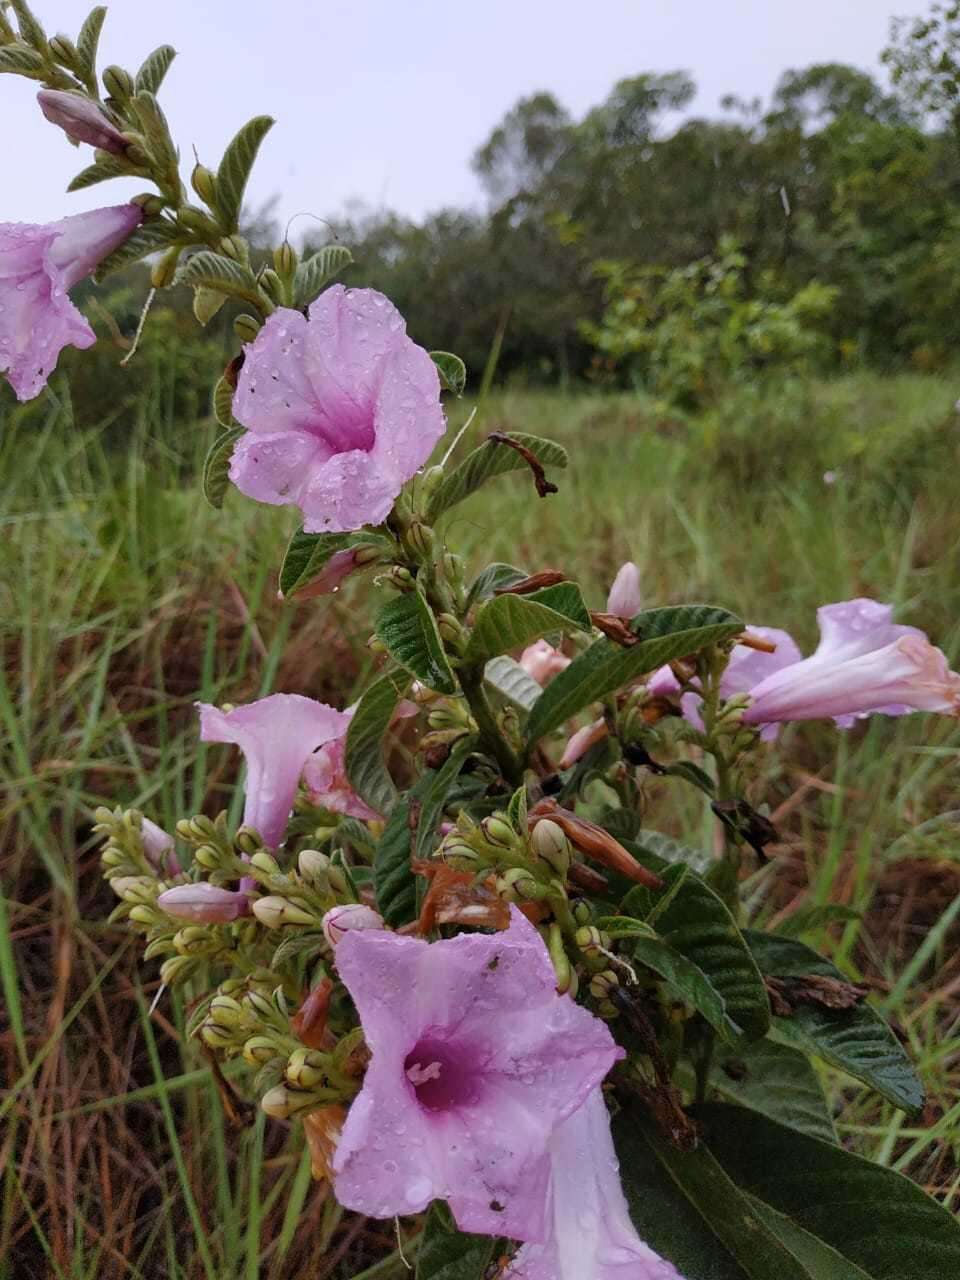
471	681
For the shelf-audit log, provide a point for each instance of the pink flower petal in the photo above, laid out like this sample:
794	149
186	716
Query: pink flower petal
204	903
352	400
542	661
277	735
475	1061
624	599
81	120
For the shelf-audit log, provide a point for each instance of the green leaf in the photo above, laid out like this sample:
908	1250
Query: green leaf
452	370
216	466
693	774
434	792
393	879
664	634
206	303
686	1208
512	682
856	1041
778	1082
449	1254
234	170
150	76
814	917
317	270
307	554
364	760
21	61
490	459
672	851
217	271
102	171
156	131
688	981
506	622
223	403
409	630
490	580
30	28
698	924
873	1219
88	41
153	235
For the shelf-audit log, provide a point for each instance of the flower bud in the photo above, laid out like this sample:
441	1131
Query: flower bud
195	221
81	120
65	51
274	912
306	1069
204	903
285	260
549	843
158	848
259	1050
420	539
112	857
118	83
249	840
145	915
340	920
225	1011
519	883
498	832
195	940
581	912
260	1006
246	327
601	984
266	863
454	569
215	1037
206	856
431	480
273	286
175	969
588	938
234	247
338	879
134	889
204	184
313	865
282	1102
400	578
452	631
459	854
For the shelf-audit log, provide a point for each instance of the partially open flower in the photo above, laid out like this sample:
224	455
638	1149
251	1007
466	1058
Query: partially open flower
204	903
341	409
338	921
38	265
475	1062
277	735
864	664
624	599
542	661
81	120
591	1235
325	777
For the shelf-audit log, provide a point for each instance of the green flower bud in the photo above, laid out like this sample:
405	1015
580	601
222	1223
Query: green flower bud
454	569
195	222
459	854
273	286
338	879
136	153
420	539
266	863
118	83
113	857
194	939
208	857
285	260
176	969
146	915
400	578
165	268
65	52
452	631
282	1102
587	938
215	1037
260	1006
601	984
306	1069
275	912
235	247
548	842
313	865
198	828
246	327
225	1011
523	884
498	832
135	889
204	184
581	912
249	841
259	1050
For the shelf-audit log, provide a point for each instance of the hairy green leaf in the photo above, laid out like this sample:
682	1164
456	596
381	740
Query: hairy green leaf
317	270
150	76
149	238
879	1223
452	370
365	765
672	851
434	793
688	981
217	271
234	170
88	41
664	634
698	924
30	28
206	303
506	622
512	682
102	171
223	403
307	555
492	579
449	1254
216	466
156	132
857	1040
778	1082
21	61
491	459
409	630
393	878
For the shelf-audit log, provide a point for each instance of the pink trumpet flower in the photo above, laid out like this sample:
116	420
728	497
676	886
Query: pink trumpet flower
865	664
341	408
38	265
325	777
624	598
542	661
277	736
204	903
475	1062
81	120
591	1235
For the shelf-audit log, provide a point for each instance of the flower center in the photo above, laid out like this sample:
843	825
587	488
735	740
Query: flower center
440	1075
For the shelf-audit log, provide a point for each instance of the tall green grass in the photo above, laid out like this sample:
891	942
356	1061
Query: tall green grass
123	599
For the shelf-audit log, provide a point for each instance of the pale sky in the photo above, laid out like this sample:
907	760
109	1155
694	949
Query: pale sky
385	100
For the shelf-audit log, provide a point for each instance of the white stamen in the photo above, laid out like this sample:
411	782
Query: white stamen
418	1075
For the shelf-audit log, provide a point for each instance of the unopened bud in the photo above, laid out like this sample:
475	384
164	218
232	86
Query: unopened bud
275	912
431	480
338	879
249	841
215	1037
113	857
588	938
194	940
81	120
225	1011
281	1102
118	83
601	984
246	327
175	969
145	915
342	920
150	203
272	285
400	578
306	1069
260	1005
195	221
235	247
259	1050
420	539
65	52
135	889
285	260
551	845
204	903
581	912
313	865
266	863
498	832
518	881
204	184
459	854
454	569
452	631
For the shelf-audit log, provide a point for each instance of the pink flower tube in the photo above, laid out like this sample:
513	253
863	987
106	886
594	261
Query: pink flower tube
277	735
38	265
591	1235
475	1062
864	664
341	408
81	120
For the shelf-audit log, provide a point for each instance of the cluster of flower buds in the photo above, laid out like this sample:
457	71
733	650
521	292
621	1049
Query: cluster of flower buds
448	721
